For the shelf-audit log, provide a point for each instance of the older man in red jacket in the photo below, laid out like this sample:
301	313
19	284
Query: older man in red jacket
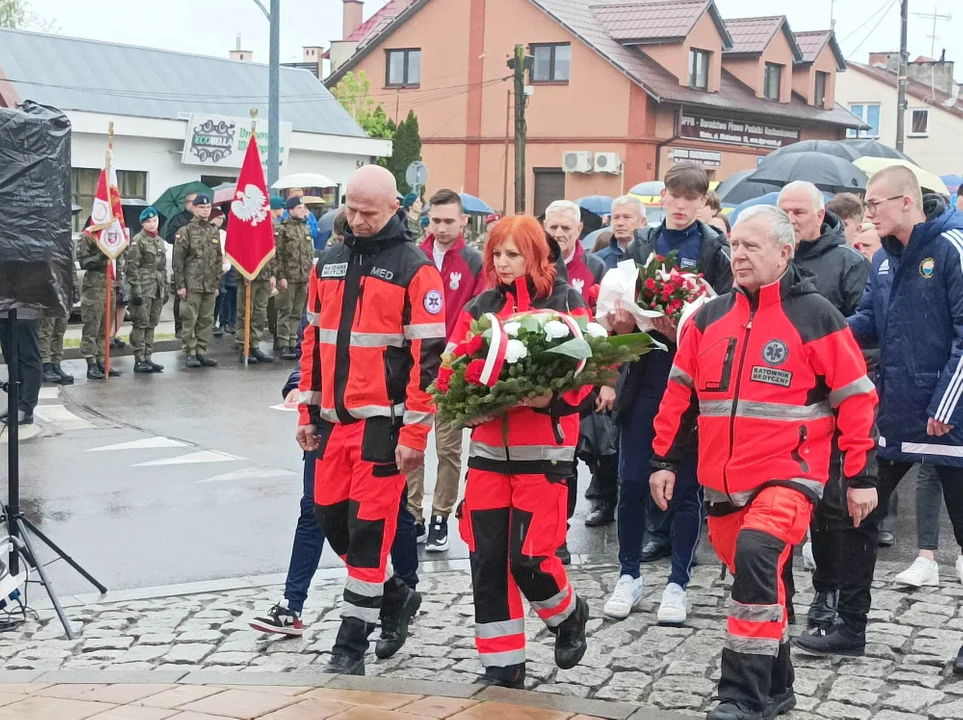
770	371
460	266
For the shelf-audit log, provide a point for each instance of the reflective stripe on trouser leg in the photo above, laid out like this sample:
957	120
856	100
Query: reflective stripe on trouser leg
484	525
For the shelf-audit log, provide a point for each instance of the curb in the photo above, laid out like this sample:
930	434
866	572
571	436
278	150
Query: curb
610	710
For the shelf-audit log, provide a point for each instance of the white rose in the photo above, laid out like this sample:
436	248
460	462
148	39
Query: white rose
596	330
556	329
515	350
511	328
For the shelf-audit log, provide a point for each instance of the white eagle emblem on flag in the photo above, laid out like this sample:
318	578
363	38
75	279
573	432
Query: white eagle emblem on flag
251	205
578	284
454	280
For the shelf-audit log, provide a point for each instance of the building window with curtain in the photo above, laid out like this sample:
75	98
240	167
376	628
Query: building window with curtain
699	69
819	96
869	114
919	123
773	82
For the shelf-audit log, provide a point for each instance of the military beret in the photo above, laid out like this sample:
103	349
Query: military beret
202	199
293	202
409	200
277	202
148	213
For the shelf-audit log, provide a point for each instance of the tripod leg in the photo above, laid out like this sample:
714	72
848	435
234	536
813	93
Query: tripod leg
69	560
46	583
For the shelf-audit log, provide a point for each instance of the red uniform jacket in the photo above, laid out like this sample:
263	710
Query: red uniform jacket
770	378
374	338
532	441
462	275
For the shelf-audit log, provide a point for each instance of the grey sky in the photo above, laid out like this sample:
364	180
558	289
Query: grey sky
211	26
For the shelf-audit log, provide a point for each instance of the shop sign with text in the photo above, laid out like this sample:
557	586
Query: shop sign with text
221	141
736	132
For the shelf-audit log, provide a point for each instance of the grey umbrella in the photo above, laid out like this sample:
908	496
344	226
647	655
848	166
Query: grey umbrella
829	147
827	172
874	148
738	188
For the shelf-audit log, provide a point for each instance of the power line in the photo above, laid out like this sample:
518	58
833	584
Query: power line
868	20
869	34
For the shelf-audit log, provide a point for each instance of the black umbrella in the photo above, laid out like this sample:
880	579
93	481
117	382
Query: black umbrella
874	148
738	188
829	147
827	172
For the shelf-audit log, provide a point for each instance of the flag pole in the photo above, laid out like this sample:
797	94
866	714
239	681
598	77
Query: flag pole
108	315
248	285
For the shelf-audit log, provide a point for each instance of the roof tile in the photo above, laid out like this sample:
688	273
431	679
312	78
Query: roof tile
812	42
649	21
376	23
752	35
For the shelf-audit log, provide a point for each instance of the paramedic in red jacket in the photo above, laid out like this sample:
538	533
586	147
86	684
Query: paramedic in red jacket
462	278
513	514
768	371
371	348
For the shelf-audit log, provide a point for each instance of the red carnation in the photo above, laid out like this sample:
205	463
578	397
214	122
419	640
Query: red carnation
475	343
474	371
460	349
650	284
669	288
444	379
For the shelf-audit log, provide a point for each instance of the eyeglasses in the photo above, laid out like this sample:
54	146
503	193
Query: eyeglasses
872	206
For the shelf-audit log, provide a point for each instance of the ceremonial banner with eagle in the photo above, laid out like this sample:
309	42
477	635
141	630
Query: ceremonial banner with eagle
250	230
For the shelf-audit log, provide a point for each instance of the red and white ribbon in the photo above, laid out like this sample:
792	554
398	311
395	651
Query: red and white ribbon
577	333
495	360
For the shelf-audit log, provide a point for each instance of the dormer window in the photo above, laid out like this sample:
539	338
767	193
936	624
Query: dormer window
773	82
819	96
698	69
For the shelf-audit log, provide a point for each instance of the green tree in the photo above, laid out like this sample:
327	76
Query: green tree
405	149
354	94
17	14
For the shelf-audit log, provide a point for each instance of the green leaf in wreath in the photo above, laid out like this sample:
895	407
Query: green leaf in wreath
574	348
530	324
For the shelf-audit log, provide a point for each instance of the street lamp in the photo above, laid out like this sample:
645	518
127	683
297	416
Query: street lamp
274	90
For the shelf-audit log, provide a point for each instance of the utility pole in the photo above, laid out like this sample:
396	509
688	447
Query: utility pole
903	63
519	63
274	90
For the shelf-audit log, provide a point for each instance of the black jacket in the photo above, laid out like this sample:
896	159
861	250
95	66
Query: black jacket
176	223
840	272
715	267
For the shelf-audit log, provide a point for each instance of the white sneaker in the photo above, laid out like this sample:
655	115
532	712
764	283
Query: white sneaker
673	605
922	572
959	567
626	597
809	562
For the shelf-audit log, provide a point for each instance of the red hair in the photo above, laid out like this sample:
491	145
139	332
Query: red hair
529	237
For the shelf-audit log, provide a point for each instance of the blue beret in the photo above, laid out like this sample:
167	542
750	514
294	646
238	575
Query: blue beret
148	213
423	221
202	199
277	202
293	202
409	200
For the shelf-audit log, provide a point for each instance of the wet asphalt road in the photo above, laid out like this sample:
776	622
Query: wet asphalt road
217	495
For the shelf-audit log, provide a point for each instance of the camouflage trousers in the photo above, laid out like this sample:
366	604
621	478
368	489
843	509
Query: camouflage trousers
93	310
260	294
52	331
291	304
144	320
197	322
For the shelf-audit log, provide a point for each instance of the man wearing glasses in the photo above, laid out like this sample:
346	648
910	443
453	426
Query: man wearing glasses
913	309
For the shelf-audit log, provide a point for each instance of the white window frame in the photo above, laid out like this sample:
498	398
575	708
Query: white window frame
909	130
865	134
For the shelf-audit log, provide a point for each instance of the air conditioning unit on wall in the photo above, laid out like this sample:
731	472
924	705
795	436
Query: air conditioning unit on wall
577	162
608	163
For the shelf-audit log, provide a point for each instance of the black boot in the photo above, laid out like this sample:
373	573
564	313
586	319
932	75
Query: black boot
822	610
563	554
570	643
510	676
840	639
958	664
601	514
218	331
206	361
289	353
112	373
396	615
729	710
94	371
262	357
251	360
782	699
65	378
49	374
347	655
142	366
192	362
156	367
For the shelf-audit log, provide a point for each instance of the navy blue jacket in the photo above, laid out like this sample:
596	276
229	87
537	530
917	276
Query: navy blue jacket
612	254
294	379
912	308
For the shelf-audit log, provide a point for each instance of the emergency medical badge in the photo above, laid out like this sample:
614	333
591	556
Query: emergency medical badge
775	353
927	267
433	302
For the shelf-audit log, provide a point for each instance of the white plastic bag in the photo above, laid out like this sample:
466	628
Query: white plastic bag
618	285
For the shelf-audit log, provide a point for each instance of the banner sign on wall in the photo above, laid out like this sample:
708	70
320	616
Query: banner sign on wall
736	132
220	141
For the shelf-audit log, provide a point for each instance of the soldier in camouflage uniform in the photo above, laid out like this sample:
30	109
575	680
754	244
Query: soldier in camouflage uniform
52	331
294	261
197	276
261	288
147	276
93	304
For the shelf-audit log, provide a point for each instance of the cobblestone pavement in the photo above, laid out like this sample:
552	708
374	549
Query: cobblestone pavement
905	675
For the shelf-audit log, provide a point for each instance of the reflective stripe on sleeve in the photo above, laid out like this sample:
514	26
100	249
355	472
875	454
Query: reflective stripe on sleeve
764	410
425	331
309	397
862	386
522	453
419	418
681	376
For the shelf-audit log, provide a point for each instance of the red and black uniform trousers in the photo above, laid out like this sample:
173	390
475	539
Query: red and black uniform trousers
755	543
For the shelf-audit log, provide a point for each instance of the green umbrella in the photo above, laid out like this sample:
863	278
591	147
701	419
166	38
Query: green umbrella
171	201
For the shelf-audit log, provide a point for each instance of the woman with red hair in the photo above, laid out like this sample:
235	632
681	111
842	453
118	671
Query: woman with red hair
513	517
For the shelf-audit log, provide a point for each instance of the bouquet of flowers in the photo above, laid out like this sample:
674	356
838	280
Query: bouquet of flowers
656	289
535	353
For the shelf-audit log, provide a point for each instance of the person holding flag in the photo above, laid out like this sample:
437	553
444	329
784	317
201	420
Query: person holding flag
250	249
197	278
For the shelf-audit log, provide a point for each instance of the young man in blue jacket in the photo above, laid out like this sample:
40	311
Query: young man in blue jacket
913	309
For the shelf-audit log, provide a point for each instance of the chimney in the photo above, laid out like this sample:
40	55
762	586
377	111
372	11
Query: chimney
937	74
243	55
312	53
353	16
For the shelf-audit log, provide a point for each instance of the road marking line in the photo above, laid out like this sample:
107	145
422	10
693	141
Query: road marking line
61	417
249	474
204	456
145	443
